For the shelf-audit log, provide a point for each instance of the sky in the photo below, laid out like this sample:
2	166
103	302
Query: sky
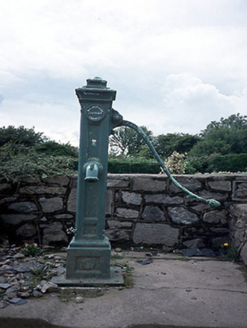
176	65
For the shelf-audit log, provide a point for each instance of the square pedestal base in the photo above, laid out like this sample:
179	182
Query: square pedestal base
88	263
115	279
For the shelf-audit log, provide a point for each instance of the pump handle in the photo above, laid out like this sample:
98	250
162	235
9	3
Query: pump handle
210	202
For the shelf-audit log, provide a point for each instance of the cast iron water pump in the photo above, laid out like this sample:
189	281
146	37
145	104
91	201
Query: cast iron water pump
88	257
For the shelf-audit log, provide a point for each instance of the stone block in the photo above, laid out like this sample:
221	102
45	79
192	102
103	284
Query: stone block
7	200
23	207
220	231
131	198
113	182
148	184
215	217
50	205
58	180
42	190
239	190
189	183
117	235
180	215
54	233
127	213
119	224
243	254
26	230
71	205
155	199
31	180
200	207
64	216
163	199
220	185
153	213
213	195
109	202
14	219
5	187
239	235
151	233
173	200
194	243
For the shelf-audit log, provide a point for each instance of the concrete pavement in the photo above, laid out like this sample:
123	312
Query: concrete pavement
172	291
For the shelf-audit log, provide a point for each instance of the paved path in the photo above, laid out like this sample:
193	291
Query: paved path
170	292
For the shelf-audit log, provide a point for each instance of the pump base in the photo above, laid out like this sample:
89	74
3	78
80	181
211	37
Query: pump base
116	279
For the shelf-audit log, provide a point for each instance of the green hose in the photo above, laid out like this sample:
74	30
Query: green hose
210	202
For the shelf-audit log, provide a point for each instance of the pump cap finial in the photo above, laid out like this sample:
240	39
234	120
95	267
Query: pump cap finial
97	82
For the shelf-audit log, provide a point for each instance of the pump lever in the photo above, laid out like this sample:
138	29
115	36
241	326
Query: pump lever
210	202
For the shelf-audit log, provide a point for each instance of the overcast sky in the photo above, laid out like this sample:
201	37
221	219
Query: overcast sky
176	65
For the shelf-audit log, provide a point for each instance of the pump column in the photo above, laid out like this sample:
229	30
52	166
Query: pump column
88	258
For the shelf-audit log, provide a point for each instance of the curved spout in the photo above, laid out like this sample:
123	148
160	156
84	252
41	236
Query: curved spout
92	171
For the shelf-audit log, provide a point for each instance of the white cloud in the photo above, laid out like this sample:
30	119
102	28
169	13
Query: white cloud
176	65
55	120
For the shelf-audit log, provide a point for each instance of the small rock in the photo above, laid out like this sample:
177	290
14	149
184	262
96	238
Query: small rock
5	285
17	301
37	294
19	256
49	287
145	262
79	299
41	284
48	256
24	288
23	294
167	249
118	250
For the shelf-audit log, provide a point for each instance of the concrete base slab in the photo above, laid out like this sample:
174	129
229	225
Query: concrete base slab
116	279
169	292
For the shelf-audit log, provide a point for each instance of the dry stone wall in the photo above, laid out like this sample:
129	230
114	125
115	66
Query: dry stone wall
140	210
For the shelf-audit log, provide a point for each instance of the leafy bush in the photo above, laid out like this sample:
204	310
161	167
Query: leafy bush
136	165
229	163
21	135
19	161
197	164
53	148
176	163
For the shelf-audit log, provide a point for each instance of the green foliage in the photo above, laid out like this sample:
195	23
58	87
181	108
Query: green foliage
165	145
53	148
230	255
21	135
128	142
224	137
19	161
228	163
197	164
133	165
31	250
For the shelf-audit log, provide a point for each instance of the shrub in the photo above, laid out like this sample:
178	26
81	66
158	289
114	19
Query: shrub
135	165
53	148
229	163
19	161
176	163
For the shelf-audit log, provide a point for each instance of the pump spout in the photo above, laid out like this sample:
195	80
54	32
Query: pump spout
92	171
